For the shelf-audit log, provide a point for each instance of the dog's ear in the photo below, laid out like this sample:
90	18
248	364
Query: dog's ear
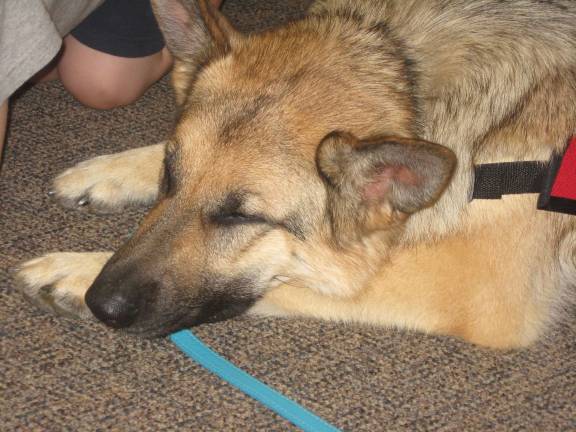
383	179
195	32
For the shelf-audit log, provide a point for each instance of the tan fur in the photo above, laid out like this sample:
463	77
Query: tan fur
68	275
282	179
464	285
111	182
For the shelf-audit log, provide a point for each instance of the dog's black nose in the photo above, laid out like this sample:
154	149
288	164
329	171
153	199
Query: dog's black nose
116	308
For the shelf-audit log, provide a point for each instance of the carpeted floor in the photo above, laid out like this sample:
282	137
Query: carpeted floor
57	374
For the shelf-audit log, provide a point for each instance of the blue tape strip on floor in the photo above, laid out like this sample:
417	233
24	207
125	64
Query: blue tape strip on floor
290	410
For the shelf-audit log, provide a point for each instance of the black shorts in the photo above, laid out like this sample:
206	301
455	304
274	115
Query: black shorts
124	28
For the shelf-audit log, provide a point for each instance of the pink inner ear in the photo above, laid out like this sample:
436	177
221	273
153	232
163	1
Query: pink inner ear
377	188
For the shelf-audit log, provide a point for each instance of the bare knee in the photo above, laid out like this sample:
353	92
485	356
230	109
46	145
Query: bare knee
104	81
101	92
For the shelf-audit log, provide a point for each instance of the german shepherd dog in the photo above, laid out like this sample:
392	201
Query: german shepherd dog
323	169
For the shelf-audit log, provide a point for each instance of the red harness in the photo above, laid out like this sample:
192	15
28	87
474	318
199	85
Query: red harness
565	183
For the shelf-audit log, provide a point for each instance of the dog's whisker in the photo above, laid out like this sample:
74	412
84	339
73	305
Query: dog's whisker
289	281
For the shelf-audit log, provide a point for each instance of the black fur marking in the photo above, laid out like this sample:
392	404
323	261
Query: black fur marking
410	69
245	114
391	42
222	298
222	307
169	179
293	225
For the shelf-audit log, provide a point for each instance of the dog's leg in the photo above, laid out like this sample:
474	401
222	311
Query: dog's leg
112	182
57	282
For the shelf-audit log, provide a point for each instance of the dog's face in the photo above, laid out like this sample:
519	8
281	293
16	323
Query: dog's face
259	188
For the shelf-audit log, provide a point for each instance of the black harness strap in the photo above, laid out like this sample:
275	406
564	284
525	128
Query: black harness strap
491	181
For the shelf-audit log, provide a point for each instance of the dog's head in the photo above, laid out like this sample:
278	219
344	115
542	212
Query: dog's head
272	174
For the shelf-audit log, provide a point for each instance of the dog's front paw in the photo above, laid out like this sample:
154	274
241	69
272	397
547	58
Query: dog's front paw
110	183
57	282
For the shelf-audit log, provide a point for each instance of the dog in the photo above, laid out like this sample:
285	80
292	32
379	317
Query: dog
324	169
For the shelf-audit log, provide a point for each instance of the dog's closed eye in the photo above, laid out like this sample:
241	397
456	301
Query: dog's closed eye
232	212
236	218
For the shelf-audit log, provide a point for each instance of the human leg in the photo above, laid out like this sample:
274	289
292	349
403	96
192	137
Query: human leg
115	55
101	80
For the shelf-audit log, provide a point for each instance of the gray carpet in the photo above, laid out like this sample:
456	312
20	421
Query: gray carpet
57	374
